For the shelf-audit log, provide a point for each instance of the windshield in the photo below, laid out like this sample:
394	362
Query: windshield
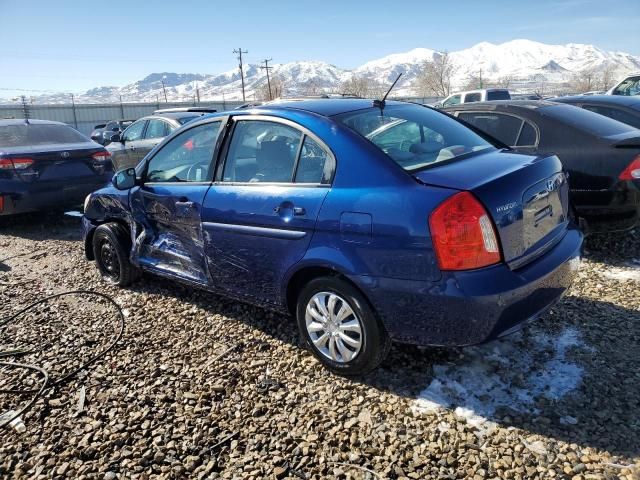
25	135
413	136
629	86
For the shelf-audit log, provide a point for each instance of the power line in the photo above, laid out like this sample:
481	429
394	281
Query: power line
267	68
240	52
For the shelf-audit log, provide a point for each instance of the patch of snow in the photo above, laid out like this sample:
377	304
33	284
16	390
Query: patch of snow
632	272
73	213
509	373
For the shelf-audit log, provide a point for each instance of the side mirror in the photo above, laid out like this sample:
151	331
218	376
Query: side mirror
117	138
124	179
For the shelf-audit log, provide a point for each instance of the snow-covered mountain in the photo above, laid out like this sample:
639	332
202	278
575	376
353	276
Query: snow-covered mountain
522	61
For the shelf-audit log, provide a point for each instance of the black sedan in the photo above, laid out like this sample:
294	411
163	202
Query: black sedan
621	108
601	155
47	165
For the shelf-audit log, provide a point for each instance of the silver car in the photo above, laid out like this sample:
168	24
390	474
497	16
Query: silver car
139	138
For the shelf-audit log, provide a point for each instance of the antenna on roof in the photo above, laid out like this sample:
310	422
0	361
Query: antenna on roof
381	103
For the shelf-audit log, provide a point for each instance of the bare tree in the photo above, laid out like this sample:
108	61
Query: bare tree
584	81
278	88
362	87
312	87
505	81
435	78
607	78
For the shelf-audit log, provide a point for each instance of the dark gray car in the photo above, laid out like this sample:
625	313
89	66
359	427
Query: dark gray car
139	138
620	108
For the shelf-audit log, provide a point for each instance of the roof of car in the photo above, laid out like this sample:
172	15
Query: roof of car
623	100
325	106
175	115
502	105
21	121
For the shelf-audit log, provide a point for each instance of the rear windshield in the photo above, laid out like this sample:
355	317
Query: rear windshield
183	120
582	119
498	95
414	136
24	135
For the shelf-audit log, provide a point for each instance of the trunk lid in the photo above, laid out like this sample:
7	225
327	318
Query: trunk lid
56	162
526	197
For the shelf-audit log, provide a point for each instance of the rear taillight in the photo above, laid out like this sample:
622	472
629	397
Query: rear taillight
1	203
103	156
632	172
15	163
463	234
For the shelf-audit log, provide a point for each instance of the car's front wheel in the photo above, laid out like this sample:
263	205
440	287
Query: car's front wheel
340	327
110	249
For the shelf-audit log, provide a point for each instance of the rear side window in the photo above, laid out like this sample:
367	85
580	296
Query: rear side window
585	120
498	95
156	129
505	128
528	136
616	114
315	164
23	135
472	97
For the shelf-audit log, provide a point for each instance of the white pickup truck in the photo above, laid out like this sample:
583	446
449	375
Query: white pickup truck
475	96
630	85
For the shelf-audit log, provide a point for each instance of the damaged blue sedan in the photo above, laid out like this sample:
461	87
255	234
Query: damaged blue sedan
369	222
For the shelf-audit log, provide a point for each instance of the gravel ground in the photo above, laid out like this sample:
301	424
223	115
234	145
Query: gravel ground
203	387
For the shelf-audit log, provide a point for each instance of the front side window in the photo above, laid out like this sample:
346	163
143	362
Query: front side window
156	129
503	127
413	136
455	100
186	158
134	132
262	151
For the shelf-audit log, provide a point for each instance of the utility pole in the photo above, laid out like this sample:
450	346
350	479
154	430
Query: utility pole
240	52
480	78
164	90
197	92
267	68
73	107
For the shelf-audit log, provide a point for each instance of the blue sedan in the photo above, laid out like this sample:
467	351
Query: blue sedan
368	222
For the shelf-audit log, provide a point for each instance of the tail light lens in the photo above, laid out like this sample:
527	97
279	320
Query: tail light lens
103	156
463	234
632	172
15	163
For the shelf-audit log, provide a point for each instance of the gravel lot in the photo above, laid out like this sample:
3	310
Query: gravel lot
202	387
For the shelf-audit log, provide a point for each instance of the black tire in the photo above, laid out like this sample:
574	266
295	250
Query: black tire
111	246
375	342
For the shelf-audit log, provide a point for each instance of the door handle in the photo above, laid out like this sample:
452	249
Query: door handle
185	204
299	211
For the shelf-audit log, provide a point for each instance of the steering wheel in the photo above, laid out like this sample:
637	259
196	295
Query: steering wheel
204	166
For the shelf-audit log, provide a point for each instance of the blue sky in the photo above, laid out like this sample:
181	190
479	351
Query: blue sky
72	45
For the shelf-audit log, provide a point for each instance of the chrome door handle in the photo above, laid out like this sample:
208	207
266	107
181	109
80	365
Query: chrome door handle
299	211
185	204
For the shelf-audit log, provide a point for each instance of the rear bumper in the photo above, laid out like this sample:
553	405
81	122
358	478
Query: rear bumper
466	308
22	197
610	210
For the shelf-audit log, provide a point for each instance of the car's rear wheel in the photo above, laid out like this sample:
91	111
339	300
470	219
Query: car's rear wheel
340	327
111	251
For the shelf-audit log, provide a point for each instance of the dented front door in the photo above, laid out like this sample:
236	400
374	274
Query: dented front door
167	207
